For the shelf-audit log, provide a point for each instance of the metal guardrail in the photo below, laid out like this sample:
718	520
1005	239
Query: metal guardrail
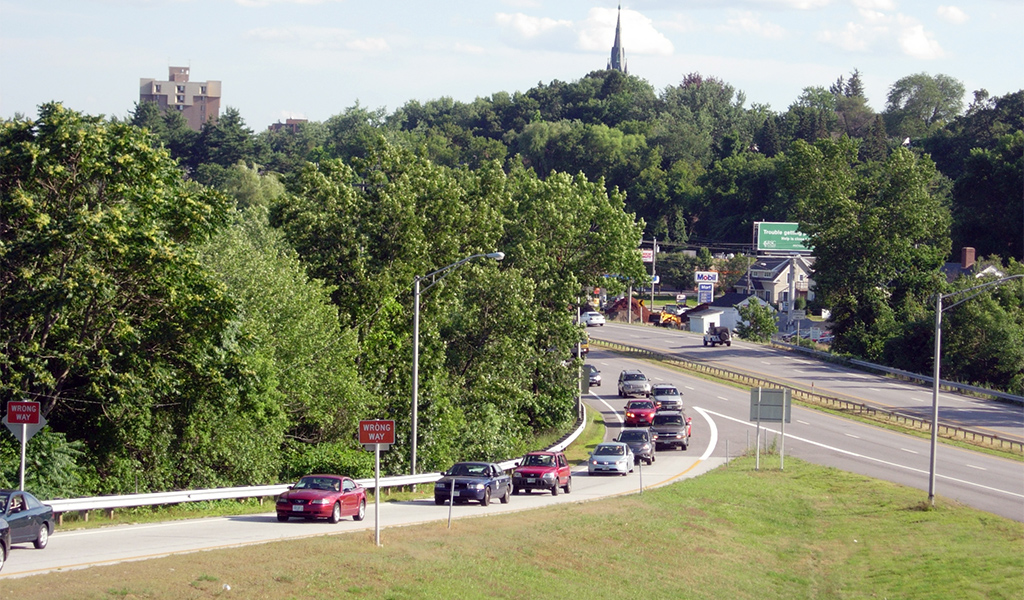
109	503
810	397
908	375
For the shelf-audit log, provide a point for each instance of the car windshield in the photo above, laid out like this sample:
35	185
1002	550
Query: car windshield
468	470
610	450
666	392
539	460
668	420
632	436
319	483
592	369
641	404
634	377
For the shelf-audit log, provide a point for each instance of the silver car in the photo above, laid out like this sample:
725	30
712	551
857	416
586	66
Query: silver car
611	457
667	396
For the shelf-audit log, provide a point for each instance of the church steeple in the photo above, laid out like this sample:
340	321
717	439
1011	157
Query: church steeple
618	59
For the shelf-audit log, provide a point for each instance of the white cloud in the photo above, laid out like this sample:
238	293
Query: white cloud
952	14
797	4
529	27
855	37
747	22
875	4
639	35
916	42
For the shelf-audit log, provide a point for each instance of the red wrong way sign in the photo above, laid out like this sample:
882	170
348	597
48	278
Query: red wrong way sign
376	432
23	413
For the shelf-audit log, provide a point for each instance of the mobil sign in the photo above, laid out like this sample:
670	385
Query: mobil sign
376	432
706	276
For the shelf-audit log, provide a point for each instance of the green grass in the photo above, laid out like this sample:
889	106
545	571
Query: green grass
737	533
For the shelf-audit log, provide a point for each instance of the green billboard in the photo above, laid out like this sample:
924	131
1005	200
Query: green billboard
780	237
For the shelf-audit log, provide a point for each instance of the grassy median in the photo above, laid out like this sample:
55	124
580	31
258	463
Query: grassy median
806	532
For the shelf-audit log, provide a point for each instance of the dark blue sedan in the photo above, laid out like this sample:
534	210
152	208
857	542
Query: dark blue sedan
30	519
478	481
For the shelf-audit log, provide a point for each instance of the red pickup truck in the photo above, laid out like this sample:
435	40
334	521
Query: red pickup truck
542	470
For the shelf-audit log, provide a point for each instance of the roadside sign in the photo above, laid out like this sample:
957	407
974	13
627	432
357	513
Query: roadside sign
22	413
769	405
706	276
781	237
705	293
377	432
656	279
680	298
647	254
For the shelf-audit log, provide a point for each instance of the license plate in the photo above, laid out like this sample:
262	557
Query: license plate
531	480
297	507
455	493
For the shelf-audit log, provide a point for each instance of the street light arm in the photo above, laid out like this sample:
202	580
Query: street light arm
979	289
440	274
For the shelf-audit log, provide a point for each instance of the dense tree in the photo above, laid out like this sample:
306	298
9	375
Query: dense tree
106	318
989	200
879	234
918	104
758	322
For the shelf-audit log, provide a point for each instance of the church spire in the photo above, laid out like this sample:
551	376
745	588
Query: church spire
618	59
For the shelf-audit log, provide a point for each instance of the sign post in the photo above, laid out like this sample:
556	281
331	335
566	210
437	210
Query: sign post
771	405
24	421
376	434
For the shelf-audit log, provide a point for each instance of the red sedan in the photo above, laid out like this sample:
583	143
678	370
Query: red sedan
328	497
640	413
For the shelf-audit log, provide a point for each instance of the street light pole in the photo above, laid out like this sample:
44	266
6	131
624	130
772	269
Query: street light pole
936	382
434	276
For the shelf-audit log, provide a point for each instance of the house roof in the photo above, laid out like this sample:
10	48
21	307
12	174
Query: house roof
729	300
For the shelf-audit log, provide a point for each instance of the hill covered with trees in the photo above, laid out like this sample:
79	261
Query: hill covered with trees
221	307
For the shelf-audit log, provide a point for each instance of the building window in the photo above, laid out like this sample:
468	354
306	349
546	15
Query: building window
181	99
181	89
180	106
202	90
158	88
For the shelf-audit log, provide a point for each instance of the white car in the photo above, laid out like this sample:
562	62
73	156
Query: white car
592	318
611	457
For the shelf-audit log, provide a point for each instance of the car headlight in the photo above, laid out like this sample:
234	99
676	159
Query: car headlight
645	447
548	476
476	486
320	501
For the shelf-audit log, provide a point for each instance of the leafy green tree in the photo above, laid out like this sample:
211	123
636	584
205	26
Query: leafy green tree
106	317
988	202
879	234
758	322
918	104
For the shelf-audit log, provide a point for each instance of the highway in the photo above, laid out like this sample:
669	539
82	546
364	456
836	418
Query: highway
721	431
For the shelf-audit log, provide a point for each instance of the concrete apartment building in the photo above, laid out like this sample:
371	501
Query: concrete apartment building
197	101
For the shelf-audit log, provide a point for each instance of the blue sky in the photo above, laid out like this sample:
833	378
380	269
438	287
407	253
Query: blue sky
314	58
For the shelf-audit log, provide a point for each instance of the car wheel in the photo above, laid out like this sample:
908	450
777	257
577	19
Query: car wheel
282	518
359	516
554	488
505	496
42	537
515	491
3	556
438	501
486	500
335	513
568	485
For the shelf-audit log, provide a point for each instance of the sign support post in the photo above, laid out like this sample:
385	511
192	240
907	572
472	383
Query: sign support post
376	434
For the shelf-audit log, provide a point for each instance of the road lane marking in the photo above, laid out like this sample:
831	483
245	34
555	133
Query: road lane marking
856	437
802	422
712	429
871	458
909	450
977	467
614	412
723	398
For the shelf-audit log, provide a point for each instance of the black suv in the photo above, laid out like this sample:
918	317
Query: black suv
671	428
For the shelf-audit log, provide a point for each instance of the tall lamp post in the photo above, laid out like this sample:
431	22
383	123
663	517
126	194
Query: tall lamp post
935	374
434	276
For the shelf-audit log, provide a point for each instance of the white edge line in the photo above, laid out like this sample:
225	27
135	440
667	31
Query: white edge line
861	456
